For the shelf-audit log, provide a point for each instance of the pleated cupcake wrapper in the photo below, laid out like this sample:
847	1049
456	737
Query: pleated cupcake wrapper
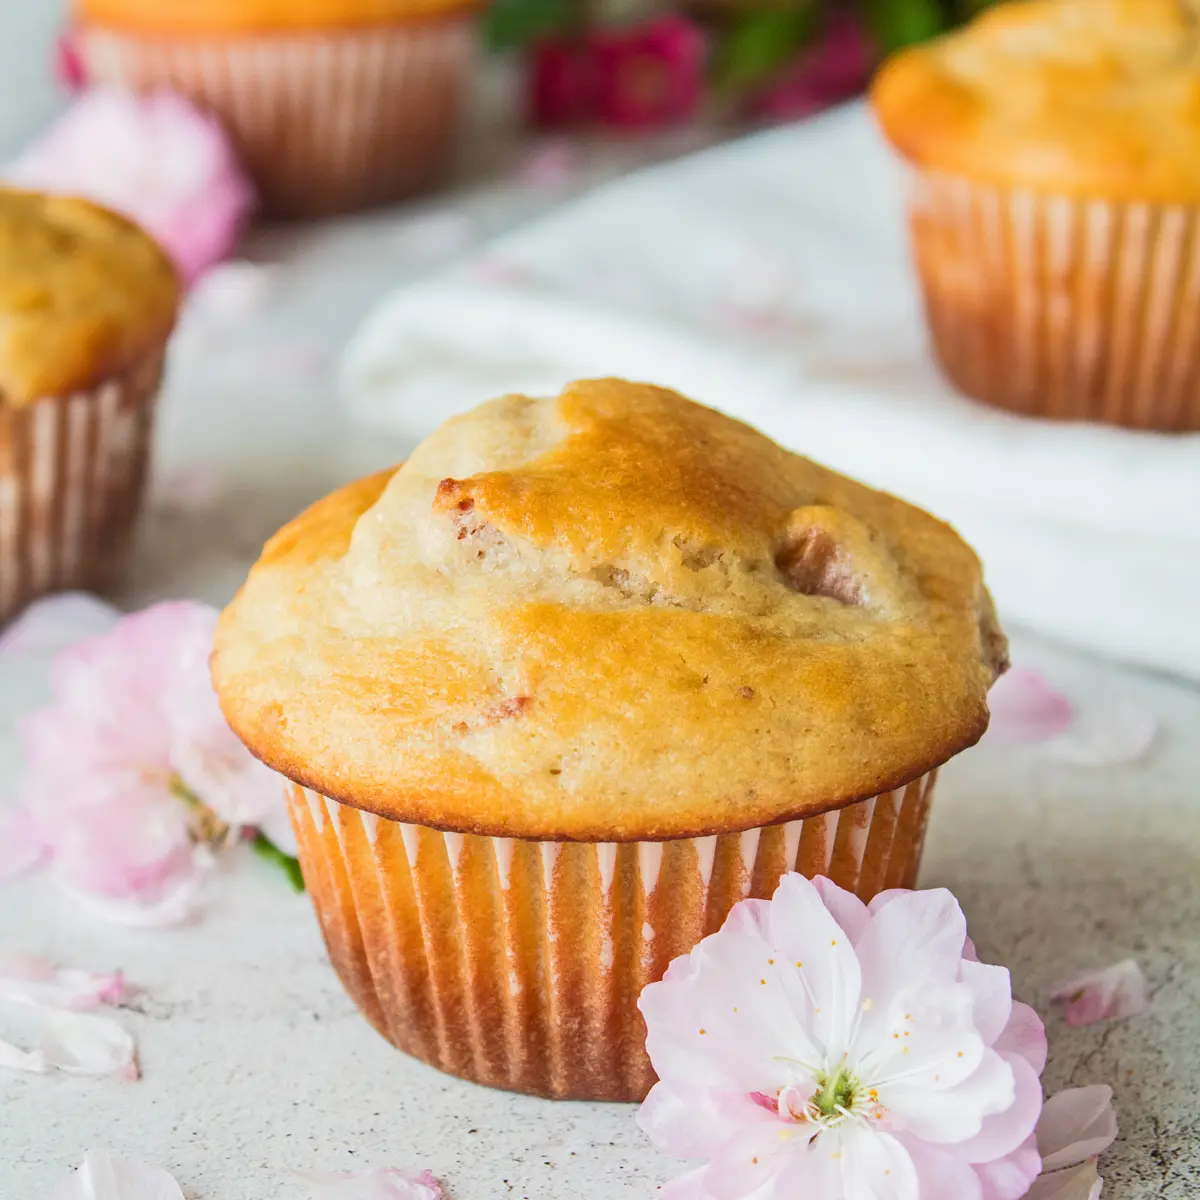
518	964
72	469
326	121
1062	308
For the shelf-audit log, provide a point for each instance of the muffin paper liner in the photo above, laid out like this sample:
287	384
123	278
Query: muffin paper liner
1062	308
326	121
72	470
518	964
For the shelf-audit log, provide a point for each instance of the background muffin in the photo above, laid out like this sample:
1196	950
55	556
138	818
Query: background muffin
571	682
334	104
87	302
1056	187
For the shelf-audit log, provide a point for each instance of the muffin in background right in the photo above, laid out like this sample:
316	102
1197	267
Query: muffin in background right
1054	148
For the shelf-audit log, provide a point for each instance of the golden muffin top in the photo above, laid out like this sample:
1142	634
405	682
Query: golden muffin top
248	16
84	294
613	615
1088	98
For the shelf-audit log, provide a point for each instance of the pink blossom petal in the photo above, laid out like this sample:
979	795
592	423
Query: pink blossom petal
1106	733
27	979
550	166
1025	708
77	1044
1076	1125
1109	994
1079	1183
157	159
103	1177
1009	1178
13	1058
687	1123
69	68
22	844
1025	1036
845	907
383	1184
53	624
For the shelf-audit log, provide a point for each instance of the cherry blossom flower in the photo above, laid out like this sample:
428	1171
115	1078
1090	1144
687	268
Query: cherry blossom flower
103	1177
132	775
649	75
1109	994
819	1046
1076	1127
158	160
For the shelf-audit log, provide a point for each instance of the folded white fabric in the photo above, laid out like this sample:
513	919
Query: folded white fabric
770	278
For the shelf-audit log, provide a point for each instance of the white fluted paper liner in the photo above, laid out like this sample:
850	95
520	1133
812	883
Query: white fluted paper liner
518	963
72	470
1063	308
325	120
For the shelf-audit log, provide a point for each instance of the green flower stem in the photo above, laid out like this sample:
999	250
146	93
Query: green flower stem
270	853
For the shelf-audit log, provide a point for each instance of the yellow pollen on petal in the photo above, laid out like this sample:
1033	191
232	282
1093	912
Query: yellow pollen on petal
836	1154
799	964
896	1035
907	1034
905	1049
763	982
960	1054
868	1004
754	1160
702	1033
735	1008
834	942
770	962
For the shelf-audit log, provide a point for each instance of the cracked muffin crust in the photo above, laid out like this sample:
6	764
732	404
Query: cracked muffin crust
613	615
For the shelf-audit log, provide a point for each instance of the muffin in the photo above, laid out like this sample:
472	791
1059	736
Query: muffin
334	104
87	302
575	679
1055	154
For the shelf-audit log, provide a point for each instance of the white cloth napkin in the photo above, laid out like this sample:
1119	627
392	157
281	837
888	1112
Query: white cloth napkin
770	278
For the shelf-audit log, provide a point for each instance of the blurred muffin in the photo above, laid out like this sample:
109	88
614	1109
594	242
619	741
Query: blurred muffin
334	104
1055	147
87	302
578	677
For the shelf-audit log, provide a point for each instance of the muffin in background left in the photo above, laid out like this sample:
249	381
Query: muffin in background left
87	303
333	105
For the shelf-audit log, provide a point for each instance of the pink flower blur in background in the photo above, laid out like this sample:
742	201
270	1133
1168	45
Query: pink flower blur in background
835	68
632	78
651	75
157	160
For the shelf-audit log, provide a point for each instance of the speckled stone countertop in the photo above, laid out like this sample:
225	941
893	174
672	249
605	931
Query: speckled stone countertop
254	1060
